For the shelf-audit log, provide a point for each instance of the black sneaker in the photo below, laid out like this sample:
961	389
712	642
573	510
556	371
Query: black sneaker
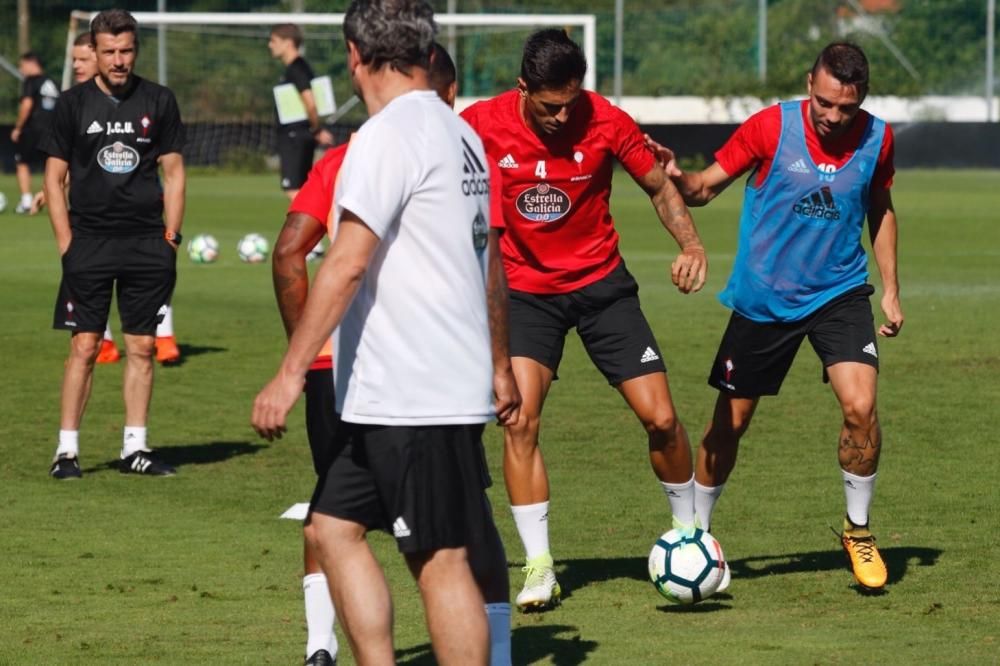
65	467
140	462
321	658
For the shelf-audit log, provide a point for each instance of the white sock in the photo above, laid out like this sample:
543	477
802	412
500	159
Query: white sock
133	439
320	615
681	496
107	333
69	443
498	616
165	328
859	491
705	498
26	200
532	522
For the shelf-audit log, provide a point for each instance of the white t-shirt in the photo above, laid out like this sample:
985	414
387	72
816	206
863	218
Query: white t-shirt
414	345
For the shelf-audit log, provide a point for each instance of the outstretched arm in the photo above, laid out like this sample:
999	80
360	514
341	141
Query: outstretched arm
689	269
883	230
288	266
696	187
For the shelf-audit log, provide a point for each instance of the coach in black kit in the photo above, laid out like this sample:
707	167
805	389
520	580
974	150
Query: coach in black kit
122	228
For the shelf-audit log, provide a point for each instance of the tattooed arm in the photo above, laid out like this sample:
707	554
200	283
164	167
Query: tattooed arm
288	268
689	269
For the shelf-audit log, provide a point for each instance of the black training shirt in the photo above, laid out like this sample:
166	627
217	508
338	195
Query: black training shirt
299	74
112	146
43	92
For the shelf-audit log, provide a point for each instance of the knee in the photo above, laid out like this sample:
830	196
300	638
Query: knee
311	535
141	351
523	433
859	413
85	348
662	423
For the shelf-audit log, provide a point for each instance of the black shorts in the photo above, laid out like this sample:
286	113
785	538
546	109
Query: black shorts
754	357
295	151
321	419
26	149
425	485
144	270
608	318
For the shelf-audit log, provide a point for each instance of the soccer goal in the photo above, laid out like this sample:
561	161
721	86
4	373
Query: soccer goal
219	67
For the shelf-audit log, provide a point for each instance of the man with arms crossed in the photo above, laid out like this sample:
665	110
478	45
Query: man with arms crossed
409	263
111	135
296	141
556	145
818	167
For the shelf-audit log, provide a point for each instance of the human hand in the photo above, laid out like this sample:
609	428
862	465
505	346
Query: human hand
324	137
272	404
37	203
664	156
689	269
893	314
15	134
507	399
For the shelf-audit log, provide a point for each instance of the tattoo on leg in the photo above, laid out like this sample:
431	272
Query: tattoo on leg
859	451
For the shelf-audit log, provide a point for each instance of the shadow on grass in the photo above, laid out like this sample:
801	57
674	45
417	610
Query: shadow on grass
193	454
897	561
193	350
558	643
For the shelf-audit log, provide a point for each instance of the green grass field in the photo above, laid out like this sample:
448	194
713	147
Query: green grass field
198	568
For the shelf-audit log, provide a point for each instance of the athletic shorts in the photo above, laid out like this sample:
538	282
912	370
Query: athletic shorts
142	269
425	485
754	357
26	149
321	419
608	318
295	151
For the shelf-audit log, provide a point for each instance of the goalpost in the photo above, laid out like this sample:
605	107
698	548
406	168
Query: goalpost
219	68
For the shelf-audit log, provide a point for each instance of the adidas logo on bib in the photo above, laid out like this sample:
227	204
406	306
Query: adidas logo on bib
649	356
799	166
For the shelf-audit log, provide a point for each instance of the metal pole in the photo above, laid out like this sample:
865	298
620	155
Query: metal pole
619	35
161	45
762	40
23	27
452	6
991	11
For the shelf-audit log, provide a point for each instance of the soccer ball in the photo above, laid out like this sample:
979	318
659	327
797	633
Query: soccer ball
203	249
686	566
253	248
317	252
3	202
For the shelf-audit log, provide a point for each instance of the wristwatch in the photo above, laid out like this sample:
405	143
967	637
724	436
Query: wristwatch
173	236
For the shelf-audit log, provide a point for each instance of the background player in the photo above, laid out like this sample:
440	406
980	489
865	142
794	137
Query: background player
557	144
122	228
819	166
296	141
34	120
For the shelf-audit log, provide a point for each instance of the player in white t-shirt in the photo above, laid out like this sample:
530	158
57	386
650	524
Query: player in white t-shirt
406	281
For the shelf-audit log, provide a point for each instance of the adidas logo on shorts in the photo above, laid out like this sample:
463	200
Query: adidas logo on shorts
649	356
399	528
870	349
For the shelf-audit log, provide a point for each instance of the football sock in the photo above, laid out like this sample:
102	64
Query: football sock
107	333
705	498
133	439
26	199
165	328
681	496
532	522
320	615
69	443
859	491
498	616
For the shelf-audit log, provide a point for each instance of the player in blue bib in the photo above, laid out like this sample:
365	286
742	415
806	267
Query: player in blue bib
818	168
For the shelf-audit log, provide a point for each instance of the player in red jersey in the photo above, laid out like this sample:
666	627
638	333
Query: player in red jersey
307	222
556	146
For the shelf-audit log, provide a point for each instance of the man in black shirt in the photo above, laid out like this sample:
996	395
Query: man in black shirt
112	135
34	113
296	140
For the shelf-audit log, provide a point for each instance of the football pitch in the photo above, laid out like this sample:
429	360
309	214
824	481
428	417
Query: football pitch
199	569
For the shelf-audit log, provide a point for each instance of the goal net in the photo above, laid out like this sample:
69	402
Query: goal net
219	67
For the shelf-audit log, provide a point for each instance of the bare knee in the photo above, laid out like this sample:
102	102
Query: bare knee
860	413
662	423
85	348
522	435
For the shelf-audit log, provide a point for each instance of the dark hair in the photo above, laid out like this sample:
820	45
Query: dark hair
288	31
441	73
398	33
30	56
84	39
114	22
845	62
552	60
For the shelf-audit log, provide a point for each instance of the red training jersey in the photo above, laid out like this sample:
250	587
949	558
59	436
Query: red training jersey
755	143
559	233
316	200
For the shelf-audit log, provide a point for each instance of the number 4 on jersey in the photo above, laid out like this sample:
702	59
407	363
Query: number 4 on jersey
540	169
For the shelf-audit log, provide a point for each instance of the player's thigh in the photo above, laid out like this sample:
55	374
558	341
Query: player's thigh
85	291
614	331
754	357
146	281
431	481
346	488
843	331
321	418
538	328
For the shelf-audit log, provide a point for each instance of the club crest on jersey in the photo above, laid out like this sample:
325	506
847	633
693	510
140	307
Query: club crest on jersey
145	123
118	158
480	232
543	203
119	127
